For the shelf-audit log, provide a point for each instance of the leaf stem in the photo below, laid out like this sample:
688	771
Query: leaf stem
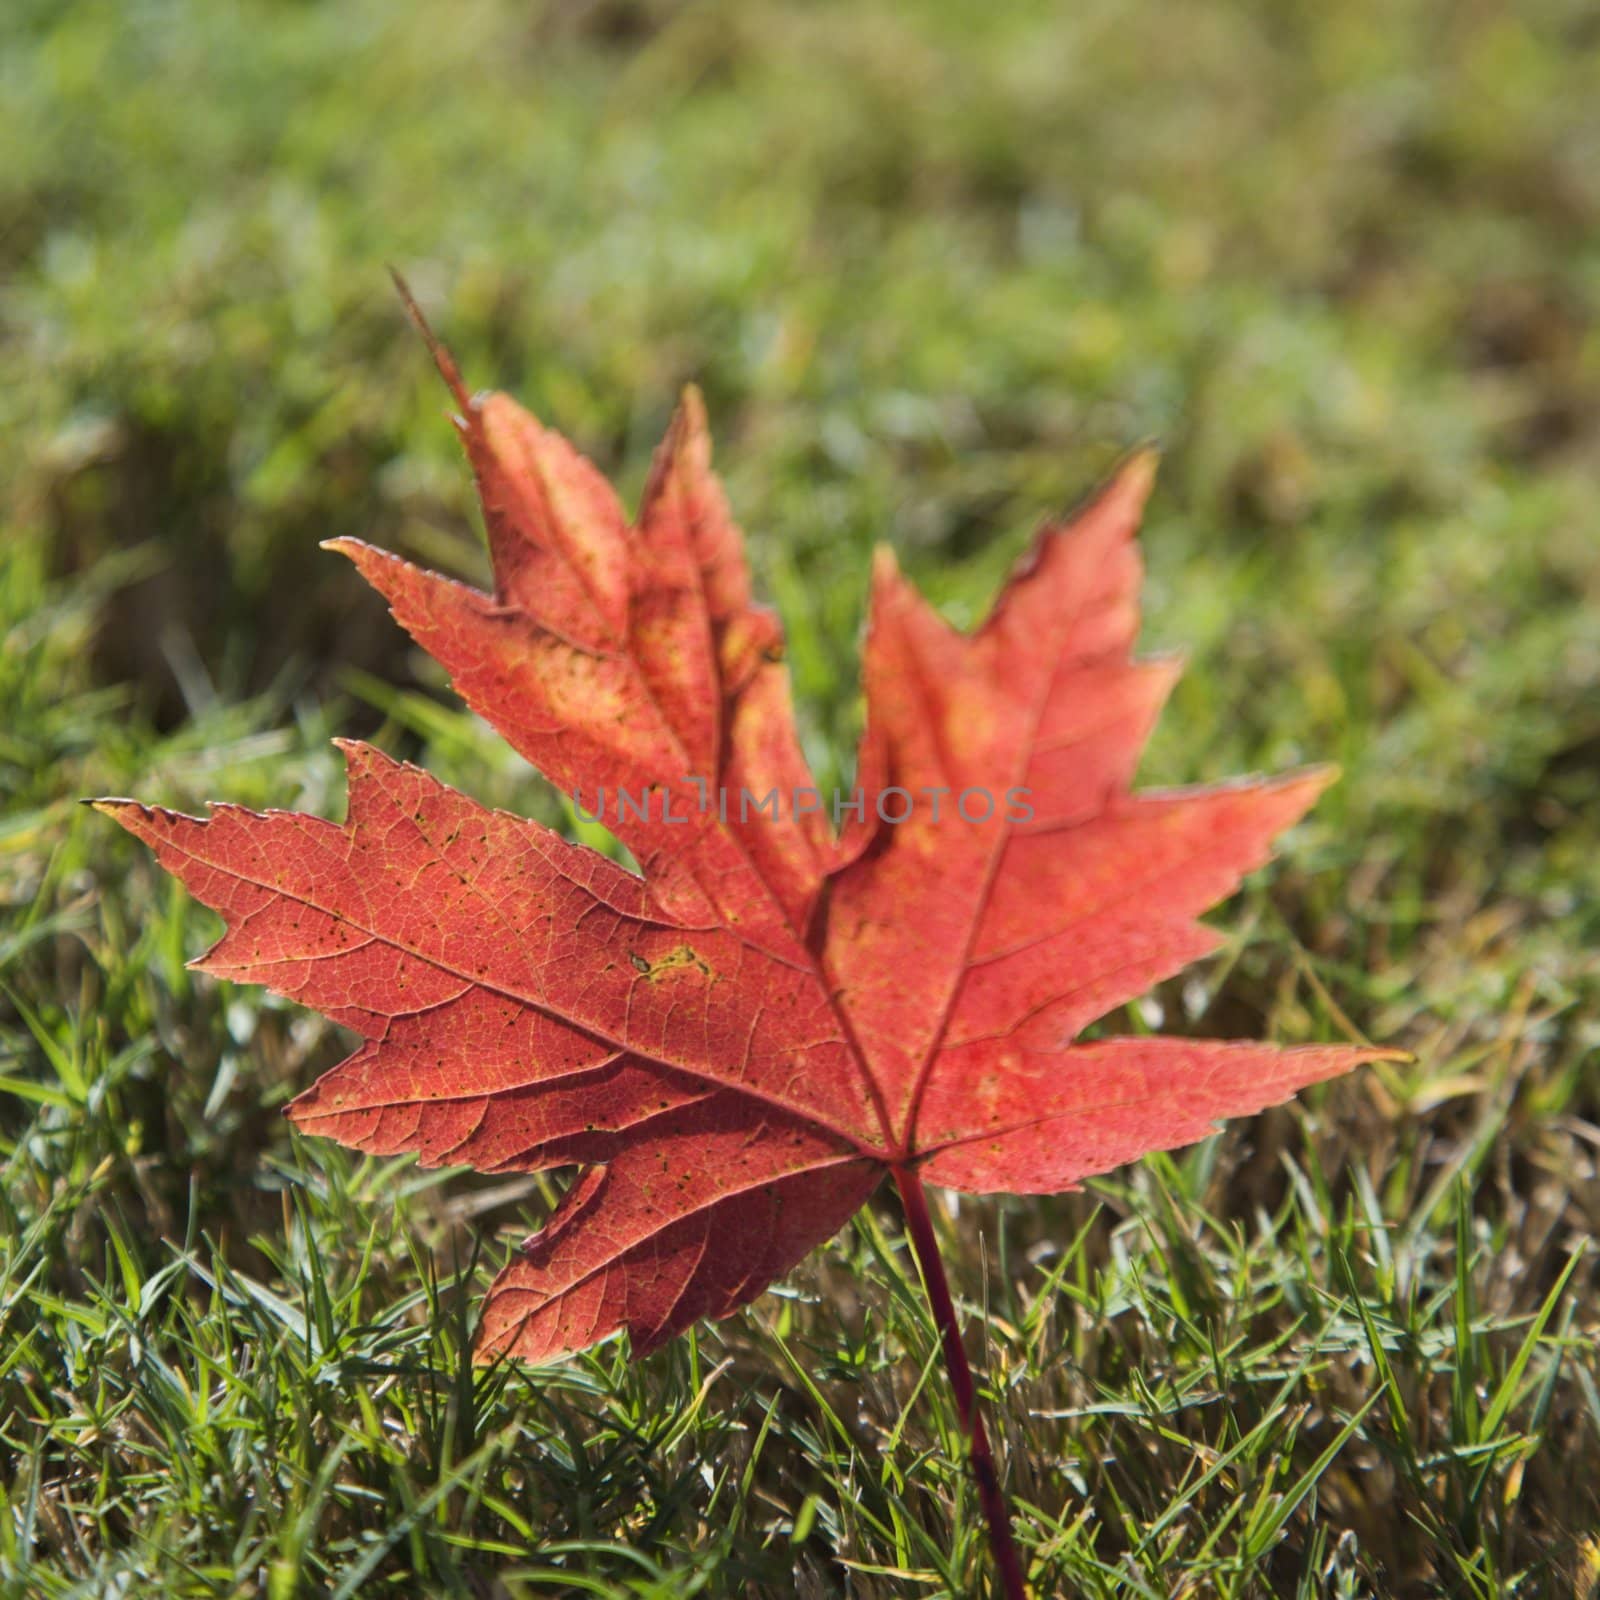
920	1226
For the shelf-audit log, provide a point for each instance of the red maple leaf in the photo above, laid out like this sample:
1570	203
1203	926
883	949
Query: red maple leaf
737	1044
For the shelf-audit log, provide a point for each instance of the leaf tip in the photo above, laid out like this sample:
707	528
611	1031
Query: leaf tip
115	808
1397	1057
362	763
357	551
692	406
1137	474
1321	776
442	359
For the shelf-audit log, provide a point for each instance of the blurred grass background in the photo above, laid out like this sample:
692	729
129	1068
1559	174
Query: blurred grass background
936	266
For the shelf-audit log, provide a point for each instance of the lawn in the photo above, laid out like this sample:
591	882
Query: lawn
936	266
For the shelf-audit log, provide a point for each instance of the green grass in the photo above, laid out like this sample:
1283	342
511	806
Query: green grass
935	267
